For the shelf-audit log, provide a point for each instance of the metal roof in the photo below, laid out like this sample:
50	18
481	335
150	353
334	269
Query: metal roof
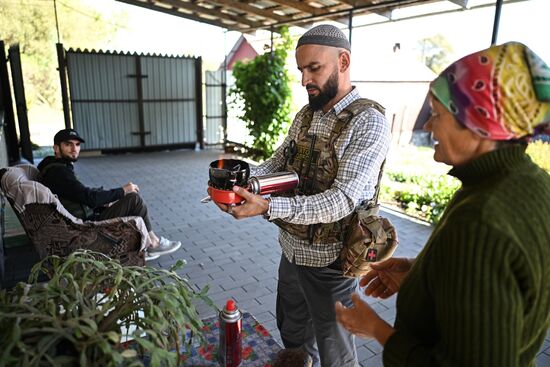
249	15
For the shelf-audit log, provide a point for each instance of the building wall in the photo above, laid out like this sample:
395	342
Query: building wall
402	100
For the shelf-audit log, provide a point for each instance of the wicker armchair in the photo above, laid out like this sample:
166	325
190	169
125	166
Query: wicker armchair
55	231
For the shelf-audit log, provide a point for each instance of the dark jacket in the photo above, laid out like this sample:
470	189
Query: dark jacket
58	175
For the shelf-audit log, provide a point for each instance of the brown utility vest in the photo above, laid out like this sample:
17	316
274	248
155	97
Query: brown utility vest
316	163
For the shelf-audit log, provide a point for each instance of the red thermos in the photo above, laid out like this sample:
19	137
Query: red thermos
230	351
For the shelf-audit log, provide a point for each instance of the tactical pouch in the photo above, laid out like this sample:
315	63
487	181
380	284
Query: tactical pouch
369	238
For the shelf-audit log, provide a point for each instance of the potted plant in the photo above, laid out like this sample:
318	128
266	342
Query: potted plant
91	302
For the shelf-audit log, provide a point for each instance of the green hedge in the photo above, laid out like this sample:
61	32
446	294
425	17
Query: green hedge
424	194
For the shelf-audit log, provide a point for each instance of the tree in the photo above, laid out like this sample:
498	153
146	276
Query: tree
32	25
435	52
263	87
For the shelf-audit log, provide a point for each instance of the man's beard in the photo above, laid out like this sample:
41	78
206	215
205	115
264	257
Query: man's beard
326	93
69	158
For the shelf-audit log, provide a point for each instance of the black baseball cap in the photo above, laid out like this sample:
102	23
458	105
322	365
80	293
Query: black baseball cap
66	135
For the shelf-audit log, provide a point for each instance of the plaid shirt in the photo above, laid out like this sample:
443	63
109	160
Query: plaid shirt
361	149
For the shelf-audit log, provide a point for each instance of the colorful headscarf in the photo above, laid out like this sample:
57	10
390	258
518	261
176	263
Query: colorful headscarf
501	93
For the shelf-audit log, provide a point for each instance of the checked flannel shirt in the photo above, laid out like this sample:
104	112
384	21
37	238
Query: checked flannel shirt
361	149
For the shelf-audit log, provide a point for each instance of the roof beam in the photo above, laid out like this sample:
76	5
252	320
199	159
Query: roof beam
250	9
356	3
212	12
462	3
298	5
150	6
358	9
383	12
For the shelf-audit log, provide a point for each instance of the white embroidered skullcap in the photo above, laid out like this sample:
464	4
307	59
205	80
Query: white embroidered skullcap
325	35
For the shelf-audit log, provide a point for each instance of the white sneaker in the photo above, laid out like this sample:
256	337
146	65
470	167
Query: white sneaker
165	247
149	257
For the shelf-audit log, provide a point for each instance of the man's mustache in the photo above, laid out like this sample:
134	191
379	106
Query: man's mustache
312	86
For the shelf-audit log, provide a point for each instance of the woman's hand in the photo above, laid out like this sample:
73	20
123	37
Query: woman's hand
385	277
363	321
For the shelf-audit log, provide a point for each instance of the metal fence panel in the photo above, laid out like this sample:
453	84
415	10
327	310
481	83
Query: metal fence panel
107	125
103	99
169	100
214	107
117	99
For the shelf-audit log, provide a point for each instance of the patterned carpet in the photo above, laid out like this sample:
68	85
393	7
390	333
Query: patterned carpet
259	347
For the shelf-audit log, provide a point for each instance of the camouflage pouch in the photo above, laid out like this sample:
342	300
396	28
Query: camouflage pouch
369	238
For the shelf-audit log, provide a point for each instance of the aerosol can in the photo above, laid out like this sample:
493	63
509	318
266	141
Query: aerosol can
231	321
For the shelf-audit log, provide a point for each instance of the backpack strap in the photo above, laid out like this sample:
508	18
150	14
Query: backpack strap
374	201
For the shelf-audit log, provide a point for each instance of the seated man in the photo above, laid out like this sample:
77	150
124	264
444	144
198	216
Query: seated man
95	203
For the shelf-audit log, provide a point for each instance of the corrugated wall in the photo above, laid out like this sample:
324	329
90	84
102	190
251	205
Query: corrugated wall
103	99
215	95
112	110
169	100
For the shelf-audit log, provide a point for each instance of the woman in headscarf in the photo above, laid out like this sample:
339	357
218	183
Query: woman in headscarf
479	292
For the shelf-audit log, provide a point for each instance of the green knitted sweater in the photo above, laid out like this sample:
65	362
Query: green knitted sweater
479	292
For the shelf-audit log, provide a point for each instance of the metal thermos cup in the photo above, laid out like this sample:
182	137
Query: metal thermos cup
230	351
274	182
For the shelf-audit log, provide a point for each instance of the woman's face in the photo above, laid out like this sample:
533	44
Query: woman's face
455	144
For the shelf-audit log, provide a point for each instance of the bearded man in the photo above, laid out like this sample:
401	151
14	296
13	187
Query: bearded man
89	203
336	144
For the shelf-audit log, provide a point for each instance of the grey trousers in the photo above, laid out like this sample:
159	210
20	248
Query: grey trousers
306	316
130	205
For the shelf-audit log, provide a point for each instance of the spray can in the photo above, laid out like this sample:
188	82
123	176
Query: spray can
274	182
230	351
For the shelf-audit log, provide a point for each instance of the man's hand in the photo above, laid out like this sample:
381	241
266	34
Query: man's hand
130	187
363	321
252	206
385	277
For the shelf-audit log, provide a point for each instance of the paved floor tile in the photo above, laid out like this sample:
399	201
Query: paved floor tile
231	256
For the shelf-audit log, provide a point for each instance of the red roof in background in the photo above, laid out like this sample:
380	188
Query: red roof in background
242	51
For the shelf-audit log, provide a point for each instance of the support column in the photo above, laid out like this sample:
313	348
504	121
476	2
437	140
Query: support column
62	68
6	104
350	25
198	100
498	9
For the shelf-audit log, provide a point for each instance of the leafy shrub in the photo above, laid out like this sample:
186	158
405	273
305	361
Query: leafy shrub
263	87
539	151
397	176
424	196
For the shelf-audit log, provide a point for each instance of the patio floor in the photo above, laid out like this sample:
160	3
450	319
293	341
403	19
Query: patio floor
238	259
